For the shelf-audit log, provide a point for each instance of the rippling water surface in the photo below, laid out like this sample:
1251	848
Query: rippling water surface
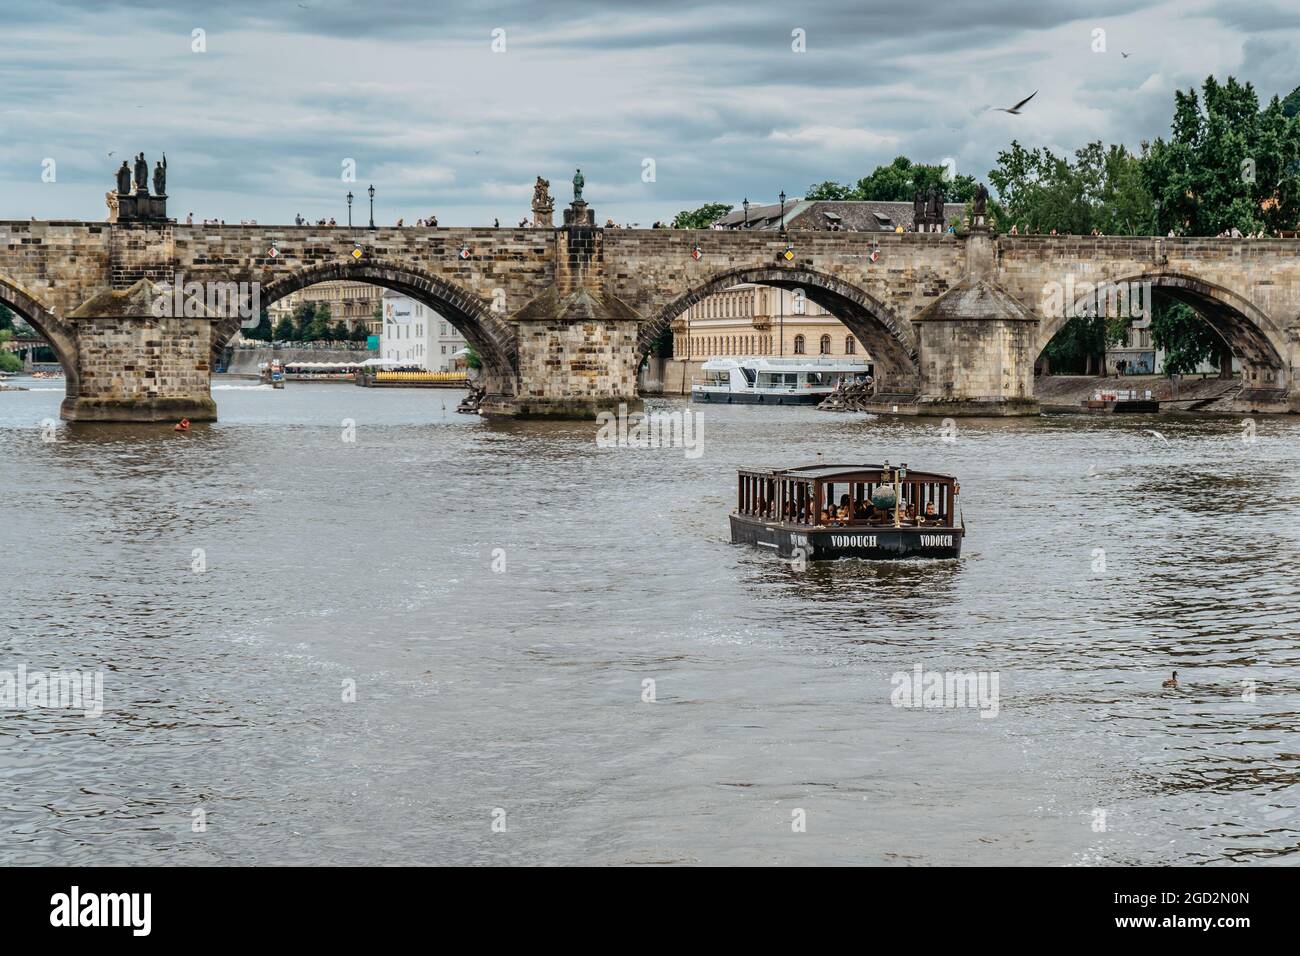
520	690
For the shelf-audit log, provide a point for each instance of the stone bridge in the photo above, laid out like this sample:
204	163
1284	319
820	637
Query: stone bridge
563	316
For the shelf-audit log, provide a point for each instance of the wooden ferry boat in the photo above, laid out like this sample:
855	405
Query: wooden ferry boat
824	512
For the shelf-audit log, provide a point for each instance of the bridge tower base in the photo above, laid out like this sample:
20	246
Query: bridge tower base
134	366
577	357
976	347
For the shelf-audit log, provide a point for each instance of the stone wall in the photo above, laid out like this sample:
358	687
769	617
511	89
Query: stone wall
575	369
484	279
143	369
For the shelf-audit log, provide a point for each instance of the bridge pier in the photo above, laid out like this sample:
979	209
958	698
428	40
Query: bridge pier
133	366
577	356
977	349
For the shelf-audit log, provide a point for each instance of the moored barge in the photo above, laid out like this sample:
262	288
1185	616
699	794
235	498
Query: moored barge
824	512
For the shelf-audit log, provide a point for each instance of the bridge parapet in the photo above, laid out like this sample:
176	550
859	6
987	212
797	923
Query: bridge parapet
562	316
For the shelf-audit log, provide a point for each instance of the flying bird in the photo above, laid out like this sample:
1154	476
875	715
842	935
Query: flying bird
1125	55
1158	435
1015	110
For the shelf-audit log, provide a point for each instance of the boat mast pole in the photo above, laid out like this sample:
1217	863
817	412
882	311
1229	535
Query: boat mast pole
898	499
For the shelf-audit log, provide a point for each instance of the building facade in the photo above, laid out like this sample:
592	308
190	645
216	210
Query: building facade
752	319
413	334
352	302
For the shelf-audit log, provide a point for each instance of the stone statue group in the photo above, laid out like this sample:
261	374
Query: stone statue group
138	183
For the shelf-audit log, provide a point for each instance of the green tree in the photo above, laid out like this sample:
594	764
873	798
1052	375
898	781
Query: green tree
472	359
321	327
1186	338
1102	188
261	331
897	182
6	318
8	361
285	330
701	218
1291	105
340	332
304	315
1227	164
829	190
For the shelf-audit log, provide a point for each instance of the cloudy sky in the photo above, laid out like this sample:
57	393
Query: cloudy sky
258	122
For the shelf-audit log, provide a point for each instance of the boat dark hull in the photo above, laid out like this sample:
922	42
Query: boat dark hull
757	398
829	544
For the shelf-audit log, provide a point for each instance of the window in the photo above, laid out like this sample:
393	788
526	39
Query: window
798	345
825	346
850	346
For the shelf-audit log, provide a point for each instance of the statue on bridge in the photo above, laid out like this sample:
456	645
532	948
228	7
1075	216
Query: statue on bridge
160	177
934	210
579	213
918	210
130	201
980	204
141	175
543	204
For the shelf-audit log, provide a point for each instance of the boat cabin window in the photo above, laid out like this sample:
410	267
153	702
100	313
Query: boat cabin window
851	501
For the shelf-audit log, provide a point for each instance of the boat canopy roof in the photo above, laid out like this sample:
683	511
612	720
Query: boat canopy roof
846	473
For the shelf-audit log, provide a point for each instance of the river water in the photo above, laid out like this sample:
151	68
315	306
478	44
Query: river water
499	594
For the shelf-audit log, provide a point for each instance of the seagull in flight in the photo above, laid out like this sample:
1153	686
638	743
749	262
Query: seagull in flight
1125	55
1158	435
1015	110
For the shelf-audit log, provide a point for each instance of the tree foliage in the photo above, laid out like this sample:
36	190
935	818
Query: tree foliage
8	361
897	182
1100	188
1227	164
701	218
1186	338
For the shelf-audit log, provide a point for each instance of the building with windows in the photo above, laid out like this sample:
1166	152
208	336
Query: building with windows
413	334
352	302
750	319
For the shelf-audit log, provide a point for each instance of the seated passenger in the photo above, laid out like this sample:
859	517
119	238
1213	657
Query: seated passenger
932	514
845	512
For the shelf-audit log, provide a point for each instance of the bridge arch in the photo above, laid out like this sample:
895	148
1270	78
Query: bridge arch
1249	332
892	344
490	335
55	332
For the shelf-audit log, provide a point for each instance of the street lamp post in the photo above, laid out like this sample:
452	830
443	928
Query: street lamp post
349	209
782	198
371	190
746	205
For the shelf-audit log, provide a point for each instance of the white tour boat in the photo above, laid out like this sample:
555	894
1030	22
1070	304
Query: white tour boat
800	380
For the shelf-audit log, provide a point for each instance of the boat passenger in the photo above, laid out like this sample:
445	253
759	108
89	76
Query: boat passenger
846	509
932	514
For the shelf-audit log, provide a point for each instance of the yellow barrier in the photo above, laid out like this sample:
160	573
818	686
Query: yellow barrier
450	378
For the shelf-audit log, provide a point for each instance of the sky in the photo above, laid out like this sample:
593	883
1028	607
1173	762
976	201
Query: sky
453	110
